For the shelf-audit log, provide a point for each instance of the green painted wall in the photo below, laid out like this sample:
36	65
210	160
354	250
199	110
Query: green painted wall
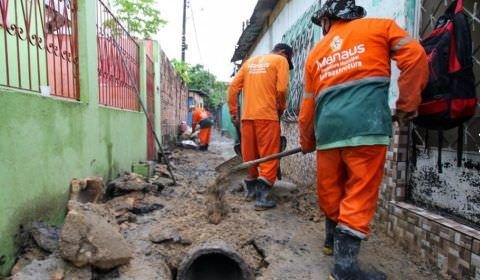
226	122
46	141
22	53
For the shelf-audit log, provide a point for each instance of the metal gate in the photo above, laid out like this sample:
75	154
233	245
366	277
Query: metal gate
151	148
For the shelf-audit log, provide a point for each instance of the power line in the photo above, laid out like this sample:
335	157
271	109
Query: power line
196	34
184	24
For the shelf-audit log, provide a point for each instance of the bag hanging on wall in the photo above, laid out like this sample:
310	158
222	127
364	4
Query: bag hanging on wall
449	98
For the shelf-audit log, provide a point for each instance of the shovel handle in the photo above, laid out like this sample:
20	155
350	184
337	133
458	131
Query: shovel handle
268	158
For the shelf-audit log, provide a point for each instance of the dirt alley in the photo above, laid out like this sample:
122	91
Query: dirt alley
283	243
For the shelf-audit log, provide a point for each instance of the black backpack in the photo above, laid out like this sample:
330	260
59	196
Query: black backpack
449	98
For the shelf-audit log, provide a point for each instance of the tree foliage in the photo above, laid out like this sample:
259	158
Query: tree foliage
142	18
182	68
197	77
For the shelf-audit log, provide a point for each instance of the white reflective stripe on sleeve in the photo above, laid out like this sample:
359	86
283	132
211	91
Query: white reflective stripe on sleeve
307	95
401	43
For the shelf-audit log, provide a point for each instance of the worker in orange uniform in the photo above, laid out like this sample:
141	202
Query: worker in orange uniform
345	116
203	118
264	80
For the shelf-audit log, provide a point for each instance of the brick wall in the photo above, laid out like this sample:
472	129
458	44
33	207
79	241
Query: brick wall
451	246
174	94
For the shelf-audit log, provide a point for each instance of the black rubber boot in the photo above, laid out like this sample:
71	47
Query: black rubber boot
329	233
262	201
251	189
346	249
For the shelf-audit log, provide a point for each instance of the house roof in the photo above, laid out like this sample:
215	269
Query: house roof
260	15
199	92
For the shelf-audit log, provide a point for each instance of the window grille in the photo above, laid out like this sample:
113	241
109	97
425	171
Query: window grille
39	46
453	191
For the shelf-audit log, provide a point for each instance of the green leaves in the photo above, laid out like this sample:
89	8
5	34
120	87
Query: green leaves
182	68
197	77
142	19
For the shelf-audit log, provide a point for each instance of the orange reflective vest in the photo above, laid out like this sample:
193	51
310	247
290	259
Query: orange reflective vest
264	80
347	78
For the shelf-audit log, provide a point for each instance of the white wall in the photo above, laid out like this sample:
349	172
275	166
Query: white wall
292	11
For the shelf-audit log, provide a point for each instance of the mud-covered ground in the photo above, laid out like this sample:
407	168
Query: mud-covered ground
282	243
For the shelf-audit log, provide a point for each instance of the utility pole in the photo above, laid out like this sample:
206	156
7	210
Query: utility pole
184	27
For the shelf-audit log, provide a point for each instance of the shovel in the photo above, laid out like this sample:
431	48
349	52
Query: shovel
237	159
216	189
232	166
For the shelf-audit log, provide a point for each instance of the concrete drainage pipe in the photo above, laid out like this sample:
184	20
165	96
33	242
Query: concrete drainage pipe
214	261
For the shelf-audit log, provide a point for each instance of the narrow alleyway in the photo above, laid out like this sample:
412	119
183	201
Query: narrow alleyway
282	243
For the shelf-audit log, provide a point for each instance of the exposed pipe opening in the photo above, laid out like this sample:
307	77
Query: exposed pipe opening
214	262
214	267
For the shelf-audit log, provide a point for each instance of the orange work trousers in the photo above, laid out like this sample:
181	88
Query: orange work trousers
261	138
204	135
348	181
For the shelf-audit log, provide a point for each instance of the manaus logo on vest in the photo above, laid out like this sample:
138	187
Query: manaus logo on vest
340	60
340	56
336	43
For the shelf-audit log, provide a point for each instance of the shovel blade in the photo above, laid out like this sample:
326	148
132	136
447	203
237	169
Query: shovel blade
228	164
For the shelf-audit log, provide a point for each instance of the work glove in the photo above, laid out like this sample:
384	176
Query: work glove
307	148
235	120
403	118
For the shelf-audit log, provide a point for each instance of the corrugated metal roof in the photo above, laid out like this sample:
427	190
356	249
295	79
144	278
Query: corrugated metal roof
262	11
199	92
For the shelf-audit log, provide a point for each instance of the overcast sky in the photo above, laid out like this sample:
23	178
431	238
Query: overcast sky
213	29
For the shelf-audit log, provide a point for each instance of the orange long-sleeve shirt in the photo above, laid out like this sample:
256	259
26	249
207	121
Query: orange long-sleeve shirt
264	80
197	115
346	81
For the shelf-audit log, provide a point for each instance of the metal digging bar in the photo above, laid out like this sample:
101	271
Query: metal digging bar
150	124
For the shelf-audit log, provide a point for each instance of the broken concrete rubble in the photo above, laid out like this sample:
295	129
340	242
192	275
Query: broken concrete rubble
53	268
45	236
125	208
162	170
129	182
90	189
91	237
141	208
140	269
163	235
